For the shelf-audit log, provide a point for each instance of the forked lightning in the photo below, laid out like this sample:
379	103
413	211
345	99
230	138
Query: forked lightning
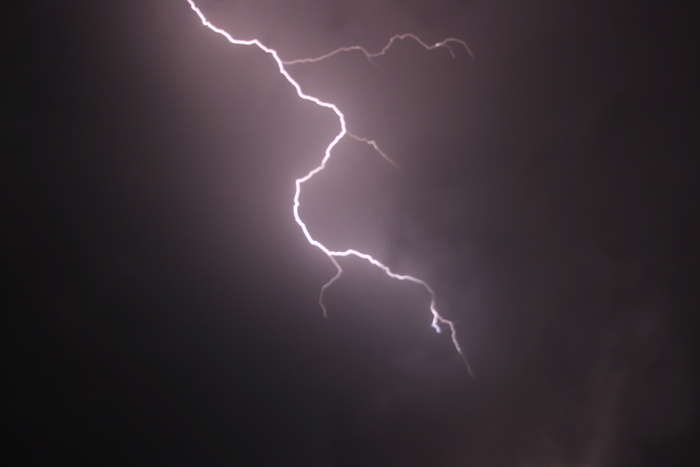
332	255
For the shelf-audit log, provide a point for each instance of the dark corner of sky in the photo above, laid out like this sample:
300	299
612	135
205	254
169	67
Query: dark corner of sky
163	302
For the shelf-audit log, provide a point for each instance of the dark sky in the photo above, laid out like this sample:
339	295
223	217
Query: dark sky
161	303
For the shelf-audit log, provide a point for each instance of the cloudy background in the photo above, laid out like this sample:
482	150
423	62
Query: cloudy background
163	303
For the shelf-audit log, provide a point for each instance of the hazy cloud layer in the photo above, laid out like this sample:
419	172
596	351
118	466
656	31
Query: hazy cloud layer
546	190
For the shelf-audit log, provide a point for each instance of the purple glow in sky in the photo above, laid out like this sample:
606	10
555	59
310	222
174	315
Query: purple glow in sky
160	298
332	255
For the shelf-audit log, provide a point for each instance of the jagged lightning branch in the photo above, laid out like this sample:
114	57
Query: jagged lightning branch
332	255
445	43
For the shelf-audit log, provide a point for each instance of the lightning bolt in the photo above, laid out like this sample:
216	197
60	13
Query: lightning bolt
332	255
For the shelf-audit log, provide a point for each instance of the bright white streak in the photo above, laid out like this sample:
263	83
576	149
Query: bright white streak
343	131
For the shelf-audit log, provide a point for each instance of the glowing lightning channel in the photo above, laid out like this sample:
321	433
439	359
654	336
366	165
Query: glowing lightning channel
445	43
437	318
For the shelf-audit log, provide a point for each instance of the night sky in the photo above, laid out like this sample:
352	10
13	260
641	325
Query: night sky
161	304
